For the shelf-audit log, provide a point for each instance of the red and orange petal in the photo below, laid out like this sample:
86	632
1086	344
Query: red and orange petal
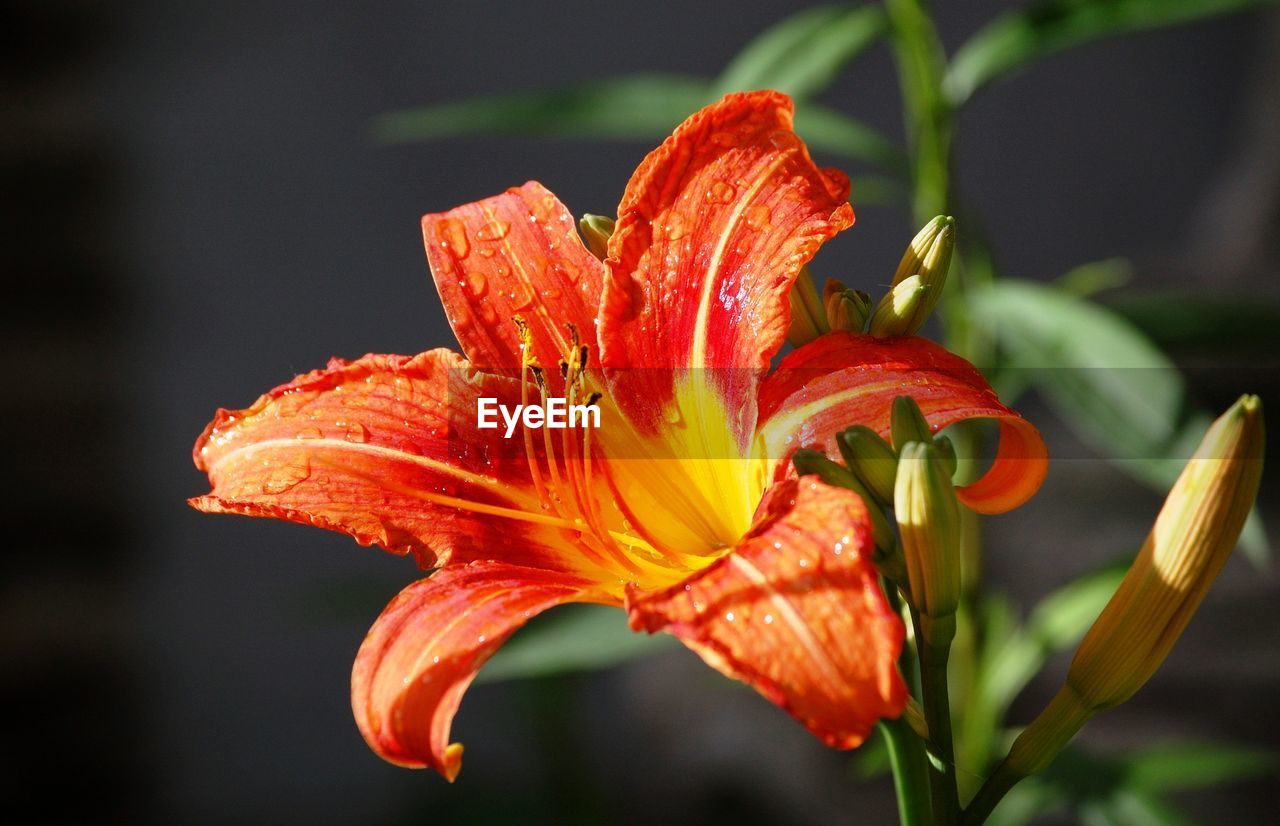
796	611
712	231
426	647
843	379
515	254
386	450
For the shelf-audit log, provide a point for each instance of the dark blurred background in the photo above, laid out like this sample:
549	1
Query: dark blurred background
195	210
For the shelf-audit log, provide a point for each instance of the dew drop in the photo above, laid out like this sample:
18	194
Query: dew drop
357	433
477	284
768	619
729	616
676	226
493	230
487	314
522	297
453	237
569	270
758	217
309	433
720	193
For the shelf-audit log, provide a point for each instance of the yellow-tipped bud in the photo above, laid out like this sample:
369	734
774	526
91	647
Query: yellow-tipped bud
918	281
596	231
928	515
929	252
902	311
848	310
808	315
907	423
871	459
813	462
1192	537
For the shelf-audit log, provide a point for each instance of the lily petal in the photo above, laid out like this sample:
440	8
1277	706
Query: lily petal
426	647
386	450
712	230
515	254
843	379
795	611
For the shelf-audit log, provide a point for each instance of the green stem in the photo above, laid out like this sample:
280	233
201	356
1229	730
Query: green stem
935	647
921	66
910	772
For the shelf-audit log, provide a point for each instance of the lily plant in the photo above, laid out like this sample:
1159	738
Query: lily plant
798	525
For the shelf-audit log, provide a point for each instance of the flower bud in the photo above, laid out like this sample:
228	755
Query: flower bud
901	312
907	423
871	459
928	517
596	231
918	281
848	310
1194	534
808	316
929	252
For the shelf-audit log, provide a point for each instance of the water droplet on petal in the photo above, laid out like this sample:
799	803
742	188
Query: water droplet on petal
569	270
758	217
720	193
522	297
453	236
309	433
676	226
477	284
487	314
493	230
357	432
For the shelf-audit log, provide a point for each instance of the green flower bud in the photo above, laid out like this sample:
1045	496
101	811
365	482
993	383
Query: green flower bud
808	316
907	423
596	231
848	310
918	281
871	459
928	517
902	311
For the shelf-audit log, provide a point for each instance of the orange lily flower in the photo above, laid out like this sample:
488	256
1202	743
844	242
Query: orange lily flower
681	507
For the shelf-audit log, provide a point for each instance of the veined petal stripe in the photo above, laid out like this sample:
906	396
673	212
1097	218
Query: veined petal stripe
793	619
698	353
391	453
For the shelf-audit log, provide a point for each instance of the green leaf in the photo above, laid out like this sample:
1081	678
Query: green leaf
1095	277
1108	381
1016	38
640	107
804	53
636	107
1057	623
1179	766
576	638
1025	801
1116	389
830	131
1203	322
